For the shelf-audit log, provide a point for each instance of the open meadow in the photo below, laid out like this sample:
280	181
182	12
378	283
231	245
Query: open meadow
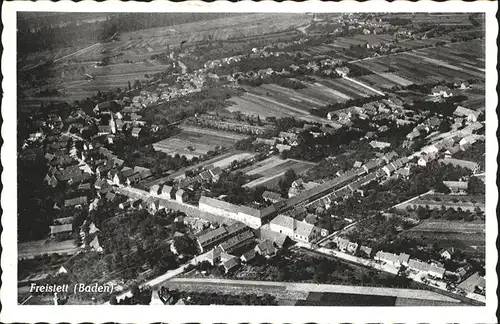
195	142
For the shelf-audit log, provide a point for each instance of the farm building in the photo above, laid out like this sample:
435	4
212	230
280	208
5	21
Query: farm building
396	260
457	187
250	216
379	145
61	232
212	238
75	202
297	231
470	114
474	283
136	131
271	196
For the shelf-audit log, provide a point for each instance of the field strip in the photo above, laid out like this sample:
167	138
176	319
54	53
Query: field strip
473	67
262	180
365	86
279	104
205	131
76	53
333	92
257	100
395	78
266	166
436	61
296	94
310	287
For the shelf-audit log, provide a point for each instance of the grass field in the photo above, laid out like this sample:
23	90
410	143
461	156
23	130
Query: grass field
195	142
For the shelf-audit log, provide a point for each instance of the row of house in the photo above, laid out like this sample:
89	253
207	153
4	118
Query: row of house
222	235
344	245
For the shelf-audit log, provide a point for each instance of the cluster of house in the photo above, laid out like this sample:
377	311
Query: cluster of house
299	186
389	108
283	142
344	245
442	91
121	117
403	259
89	234
209	173
212	121
226	239
459	138
346	184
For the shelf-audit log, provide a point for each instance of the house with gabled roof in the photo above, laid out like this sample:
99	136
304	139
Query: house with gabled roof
248	256
136	131
166	191
61	232
154	190
266	248
75	202
469	114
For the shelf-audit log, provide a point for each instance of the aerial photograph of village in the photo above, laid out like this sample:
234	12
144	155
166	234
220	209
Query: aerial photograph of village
300	159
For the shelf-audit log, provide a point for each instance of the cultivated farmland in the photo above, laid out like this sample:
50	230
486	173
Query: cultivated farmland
195	142
450	63
272	169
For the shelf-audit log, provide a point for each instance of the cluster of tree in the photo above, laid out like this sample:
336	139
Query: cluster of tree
231	184
316	149
322	112
35	200
379	197
255	64
379	228
445	107
59	33
185	245
189	105
286	182
475	153
305	268
26	267
447	213
136	239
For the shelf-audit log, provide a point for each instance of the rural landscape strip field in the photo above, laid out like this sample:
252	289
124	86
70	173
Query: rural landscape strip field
272	169
194	141
308	287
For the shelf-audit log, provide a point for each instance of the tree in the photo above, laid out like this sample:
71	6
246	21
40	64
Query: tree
184	245
475	186
134	289
113	300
